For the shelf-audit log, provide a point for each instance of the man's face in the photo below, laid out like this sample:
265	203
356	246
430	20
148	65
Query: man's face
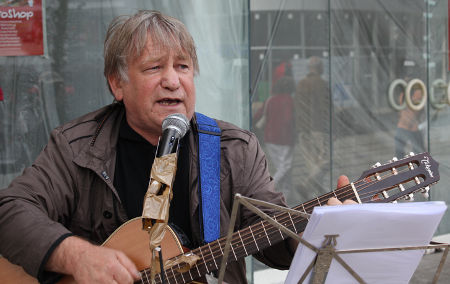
160	82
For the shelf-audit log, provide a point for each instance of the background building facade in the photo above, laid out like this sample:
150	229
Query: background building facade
350	62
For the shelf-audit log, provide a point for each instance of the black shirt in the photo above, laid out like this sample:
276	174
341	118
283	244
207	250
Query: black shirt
135	157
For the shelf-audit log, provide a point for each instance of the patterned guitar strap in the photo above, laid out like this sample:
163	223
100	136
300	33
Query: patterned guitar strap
209	158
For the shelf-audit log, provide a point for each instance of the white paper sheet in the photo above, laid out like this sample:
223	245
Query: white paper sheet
367	226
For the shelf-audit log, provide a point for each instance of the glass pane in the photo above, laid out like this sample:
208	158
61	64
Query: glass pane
291	95
387	45
40	93
439	115
372	53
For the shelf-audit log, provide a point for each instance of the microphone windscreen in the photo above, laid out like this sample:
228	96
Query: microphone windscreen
178	122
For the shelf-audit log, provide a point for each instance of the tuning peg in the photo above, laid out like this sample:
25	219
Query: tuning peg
409	197
378	164
425	191
411	154
394	159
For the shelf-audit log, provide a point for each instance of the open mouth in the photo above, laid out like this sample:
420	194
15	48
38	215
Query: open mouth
169	102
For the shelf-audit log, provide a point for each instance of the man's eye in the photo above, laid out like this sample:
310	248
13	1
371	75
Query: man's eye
184	66
150	68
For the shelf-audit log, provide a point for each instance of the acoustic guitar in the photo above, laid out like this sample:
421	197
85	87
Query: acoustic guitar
396	180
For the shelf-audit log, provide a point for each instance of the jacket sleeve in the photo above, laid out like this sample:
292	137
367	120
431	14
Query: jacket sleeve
35	206
258	184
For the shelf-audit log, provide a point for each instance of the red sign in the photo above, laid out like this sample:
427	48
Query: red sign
21	28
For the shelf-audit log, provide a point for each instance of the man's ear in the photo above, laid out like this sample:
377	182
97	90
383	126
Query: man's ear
116	87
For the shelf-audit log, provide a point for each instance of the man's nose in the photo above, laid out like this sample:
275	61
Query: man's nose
170	79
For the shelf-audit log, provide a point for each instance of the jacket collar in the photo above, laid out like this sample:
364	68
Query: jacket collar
99	155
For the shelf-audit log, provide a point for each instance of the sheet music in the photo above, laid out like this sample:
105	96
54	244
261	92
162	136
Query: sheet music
367	226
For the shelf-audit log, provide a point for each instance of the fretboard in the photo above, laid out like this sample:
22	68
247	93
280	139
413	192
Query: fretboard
244	242
382	183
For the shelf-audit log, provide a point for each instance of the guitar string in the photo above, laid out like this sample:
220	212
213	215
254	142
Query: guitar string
345	191
271	231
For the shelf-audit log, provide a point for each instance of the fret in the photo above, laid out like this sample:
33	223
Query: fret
182	276
220	247
190	275
174	276
149	278
232	249
174	273
282	237
204	261
146	276
198	271
254	238
242	242
293	225
160	278
212	254
334	192
355	192
165	275
318	200
265	232
259	233
304	210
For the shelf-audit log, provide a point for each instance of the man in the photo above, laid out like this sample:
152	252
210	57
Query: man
312	104
93	174
279	131
408	125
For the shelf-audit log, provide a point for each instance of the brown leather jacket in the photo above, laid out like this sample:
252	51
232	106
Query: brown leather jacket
69	190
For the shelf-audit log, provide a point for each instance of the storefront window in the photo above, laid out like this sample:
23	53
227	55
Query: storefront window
352	63
42	92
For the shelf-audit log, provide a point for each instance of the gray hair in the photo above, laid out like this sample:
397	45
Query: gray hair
127	37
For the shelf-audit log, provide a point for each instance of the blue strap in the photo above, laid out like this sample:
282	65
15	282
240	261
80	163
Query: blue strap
209	153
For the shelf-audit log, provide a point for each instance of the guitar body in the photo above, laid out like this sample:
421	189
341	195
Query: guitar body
11	273
128	238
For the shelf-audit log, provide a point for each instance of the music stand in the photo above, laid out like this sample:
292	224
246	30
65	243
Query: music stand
324	253
367	243
327	252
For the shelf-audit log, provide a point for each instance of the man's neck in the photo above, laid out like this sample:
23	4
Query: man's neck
151	136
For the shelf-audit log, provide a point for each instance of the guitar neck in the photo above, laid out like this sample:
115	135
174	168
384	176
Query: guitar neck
246	242
383	183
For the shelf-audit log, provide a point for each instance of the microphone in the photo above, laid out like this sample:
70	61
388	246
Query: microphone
174	127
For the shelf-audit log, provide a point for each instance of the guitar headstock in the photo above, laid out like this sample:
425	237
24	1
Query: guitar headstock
398	179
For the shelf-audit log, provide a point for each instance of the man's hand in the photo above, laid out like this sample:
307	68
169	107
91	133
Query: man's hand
342	181
89	263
